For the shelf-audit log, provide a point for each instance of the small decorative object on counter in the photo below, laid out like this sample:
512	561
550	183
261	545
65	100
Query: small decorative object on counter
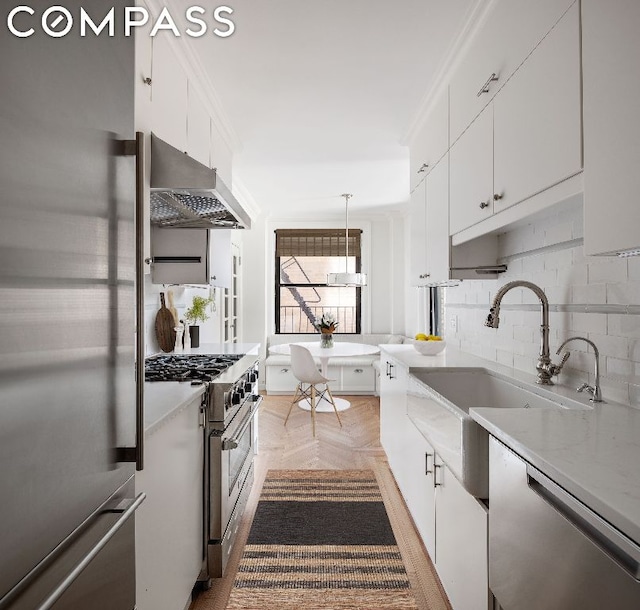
179	330
197	313
327	326
186	340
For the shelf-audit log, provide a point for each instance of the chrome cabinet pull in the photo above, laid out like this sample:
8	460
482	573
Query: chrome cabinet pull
484	204
358	371
497	197
486	86
284	370
435	473
423	168
427	470
391	367
424	276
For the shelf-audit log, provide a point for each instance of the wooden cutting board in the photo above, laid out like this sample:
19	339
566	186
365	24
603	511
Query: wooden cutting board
165	334
172	308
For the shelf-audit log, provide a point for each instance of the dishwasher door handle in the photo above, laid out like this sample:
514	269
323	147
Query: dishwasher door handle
620	548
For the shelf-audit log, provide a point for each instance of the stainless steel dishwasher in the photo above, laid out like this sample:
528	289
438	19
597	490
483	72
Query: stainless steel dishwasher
549	551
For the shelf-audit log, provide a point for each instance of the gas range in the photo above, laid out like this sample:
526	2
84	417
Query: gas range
196	368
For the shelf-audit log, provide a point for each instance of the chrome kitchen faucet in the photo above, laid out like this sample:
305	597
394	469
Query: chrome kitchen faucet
596	394
546	369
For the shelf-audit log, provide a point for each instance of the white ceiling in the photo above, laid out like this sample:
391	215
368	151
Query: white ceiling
321	93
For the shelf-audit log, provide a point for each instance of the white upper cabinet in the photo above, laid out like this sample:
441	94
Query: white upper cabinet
436	235
611	48
430	227
418	261
537	118
220	258
169	95
431	142
512	30
528	139
471	189
198	128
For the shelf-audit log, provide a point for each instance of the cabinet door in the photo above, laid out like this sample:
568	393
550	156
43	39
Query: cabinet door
512	30
180	256
169	95
418	261
537	122
431	142
198	128
461	551
610	51
393	417
220	263
471	188
421	496
437	222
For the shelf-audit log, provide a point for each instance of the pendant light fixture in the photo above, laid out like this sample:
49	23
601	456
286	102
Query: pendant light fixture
346	278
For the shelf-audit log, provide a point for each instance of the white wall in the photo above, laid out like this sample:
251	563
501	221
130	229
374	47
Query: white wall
596	297
382	260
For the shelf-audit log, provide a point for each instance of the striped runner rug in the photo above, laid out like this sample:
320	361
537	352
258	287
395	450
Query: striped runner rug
321	539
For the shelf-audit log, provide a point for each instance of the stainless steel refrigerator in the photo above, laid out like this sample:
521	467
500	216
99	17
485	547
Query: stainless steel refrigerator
67	314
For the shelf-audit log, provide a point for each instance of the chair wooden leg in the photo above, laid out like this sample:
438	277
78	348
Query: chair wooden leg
334	405
295	396
313	409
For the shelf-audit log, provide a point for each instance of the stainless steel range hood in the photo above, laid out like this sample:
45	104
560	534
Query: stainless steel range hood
187	194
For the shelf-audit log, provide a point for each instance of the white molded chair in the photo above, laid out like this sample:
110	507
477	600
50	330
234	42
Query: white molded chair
306	372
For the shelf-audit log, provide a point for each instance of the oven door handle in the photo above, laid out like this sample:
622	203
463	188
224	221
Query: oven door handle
232	443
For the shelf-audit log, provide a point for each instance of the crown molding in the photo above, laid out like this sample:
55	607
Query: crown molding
197	75
475	19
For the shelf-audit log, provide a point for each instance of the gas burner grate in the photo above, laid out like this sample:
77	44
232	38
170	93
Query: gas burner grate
187	367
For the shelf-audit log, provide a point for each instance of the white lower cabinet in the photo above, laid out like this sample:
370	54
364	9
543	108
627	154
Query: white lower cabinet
452	524
461	542
169	524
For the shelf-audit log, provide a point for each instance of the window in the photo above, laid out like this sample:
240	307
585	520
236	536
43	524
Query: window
303	259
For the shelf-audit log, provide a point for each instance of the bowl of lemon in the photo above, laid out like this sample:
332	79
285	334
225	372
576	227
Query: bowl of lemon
428	345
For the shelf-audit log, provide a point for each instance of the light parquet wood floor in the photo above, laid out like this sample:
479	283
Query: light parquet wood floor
354	446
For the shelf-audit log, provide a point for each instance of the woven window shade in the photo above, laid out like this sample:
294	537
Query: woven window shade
317	242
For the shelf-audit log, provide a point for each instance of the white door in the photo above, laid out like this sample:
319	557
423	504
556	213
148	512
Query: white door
418	262
231	299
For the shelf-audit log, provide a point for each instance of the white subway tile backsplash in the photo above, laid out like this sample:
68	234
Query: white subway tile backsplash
558	233
589	323
607	270
590	293
568	279
627	293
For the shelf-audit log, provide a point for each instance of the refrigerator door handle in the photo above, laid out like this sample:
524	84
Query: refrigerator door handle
136	454
127	511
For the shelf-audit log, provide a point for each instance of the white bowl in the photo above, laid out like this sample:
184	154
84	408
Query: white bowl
429	348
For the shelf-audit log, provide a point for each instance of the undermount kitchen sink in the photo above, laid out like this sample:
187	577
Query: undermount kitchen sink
438	404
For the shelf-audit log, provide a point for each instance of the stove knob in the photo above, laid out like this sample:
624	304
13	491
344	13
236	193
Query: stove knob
253	377
236	397
247	387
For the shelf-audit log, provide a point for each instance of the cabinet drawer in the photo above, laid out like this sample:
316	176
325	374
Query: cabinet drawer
281	379
358	379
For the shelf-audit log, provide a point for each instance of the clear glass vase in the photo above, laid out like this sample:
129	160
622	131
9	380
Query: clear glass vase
326	340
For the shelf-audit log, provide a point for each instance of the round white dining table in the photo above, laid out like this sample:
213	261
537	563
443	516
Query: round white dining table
324	354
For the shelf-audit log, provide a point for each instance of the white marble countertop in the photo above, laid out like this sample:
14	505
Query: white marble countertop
594	454
163	400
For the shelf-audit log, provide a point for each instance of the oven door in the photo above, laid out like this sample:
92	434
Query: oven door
231	458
